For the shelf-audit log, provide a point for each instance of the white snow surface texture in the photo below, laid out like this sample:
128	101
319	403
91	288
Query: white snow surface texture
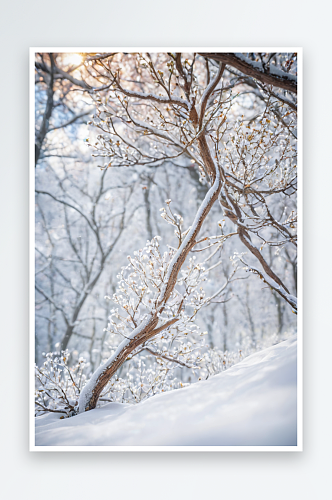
253	403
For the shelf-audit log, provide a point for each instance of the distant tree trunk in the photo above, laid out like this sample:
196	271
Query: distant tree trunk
251	321
47	113
226	326
279	304
146	193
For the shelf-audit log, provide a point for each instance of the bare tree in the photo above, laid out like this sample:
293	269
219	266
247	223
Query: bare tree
56	104
78	251
164	107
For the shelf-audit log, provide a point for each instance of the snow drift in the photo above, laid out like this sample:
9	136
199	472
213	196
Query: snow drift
253	403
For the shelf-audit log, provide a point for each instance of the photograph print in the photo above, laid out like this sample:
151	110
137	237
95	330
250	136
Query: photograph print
164	216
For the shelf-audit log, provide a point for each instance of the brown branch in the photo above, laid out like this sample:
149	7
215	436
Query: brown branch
286	296
209	91
48	409
254	250
152	97
277	78
72	120
167	358
67	76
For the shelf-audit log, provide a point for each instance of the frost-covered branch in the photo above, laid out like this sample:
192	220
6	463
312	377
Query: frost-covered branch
271	75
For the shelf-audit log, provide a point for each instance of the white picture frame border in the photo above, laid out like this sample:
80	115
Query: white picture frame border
32	446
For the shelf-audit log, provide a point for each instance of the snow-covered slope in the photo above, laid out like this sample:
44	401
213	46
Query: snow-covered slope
251	404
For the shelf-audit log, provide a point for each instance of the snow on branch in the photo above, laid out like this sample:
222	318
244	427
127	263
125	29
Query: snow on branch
272	76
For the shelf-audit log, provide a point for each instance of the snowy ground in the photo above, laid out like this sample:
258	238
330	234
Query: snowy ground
251	404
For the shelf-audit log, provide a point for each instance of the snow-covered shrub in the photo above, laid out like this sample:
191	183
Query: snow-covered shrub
58	385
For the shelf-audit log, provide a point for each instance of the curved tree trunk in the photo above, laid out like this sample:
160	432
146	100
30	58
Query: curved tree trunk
149	326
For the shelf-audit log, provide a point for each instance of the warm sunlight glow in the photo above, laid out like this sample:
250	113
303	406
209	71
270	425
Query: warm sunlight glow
72	59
